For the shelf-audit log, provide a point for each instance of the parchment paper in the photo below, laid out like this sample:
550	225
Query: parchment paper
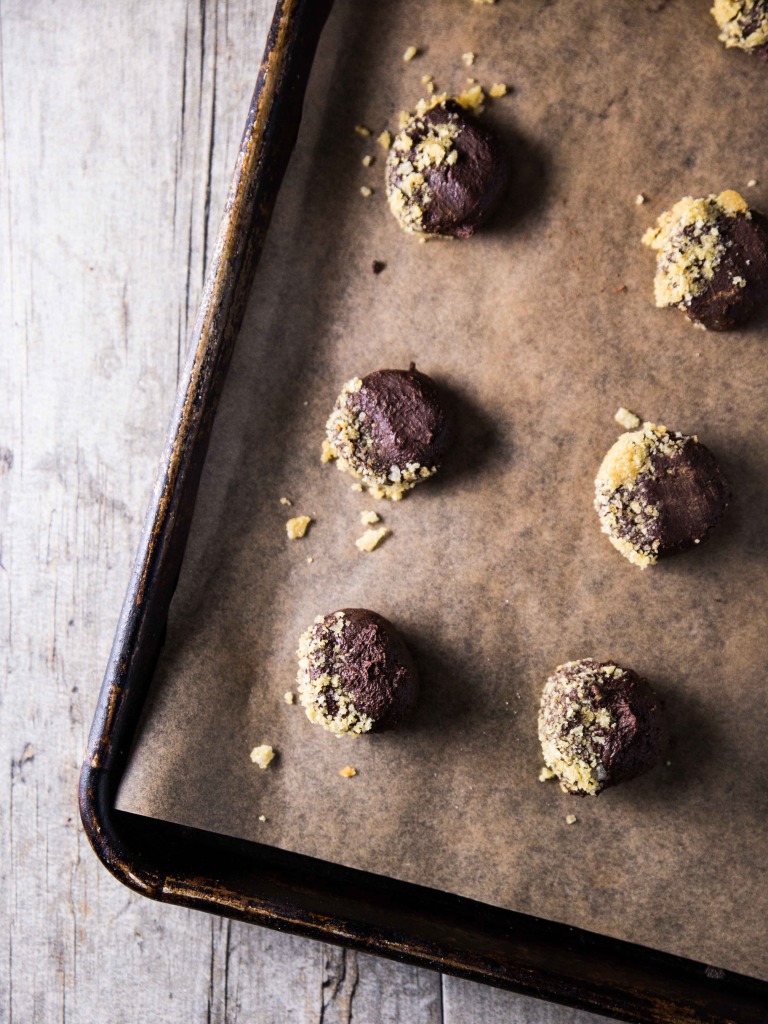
496	571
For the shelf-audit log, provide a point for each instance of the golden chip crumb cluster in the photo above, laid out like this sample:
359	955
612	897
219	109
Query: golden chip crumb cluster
743	24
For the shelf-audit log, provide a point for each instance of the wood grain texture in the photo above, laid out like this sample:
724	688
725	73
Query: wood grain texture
119	126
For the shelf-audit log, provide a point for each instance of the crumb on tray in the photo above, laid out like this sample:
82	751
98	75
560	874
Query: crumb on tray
297	527
263	755
371	539
627	419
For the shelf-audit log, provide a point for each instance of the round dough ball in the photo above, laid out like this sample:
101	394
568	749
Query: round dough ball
658	492
355	673
712	260
390	430
599	725
744	24
446	172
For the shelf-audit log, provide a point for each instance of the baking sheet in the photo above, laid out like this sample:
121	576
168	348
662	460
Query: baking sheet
496	570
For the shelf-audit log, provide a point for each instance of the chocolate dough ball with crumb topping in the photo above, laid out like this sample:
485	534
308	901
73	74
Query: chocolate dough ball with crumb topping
658	492
744	24
355	673
446	173
712	260
599	725
390	430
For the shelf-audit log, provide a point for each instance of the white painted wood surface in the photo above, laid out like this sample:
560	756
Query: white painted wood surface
119	126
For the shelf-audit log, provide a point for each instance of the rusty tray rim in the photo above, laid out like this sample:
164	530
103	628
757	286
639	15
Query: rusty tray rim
279	889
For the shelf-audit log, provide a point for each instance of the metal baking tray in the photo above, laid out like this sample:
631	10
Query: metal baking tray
279	889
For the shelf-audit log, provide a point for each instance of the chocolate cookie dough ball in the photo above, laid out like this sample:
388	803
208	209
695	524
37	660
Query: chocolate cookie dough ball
658	492
599	724
390	430
743	23
712	260
446	172
355	673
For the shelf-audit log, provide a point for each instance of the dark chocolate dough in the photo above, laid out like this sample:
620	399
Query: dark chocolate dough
391	429
355	673
724	305
599	724
671	499
446	172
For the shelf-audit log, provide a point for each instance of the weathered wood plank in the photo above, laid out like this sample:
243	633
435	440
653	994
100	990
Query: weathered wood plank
465	1002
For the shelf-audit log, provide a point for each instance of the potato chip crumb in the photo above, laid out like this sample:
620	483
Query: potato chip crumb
348	772
371	539
752	182
570	819
362	130
286	501
546	774
297	527
410	53
365	191
627	419
357	487
468	58
472	98
289	697
262	817
310	559
426	79
385	140
263	755
639	199
368	160
497	89
369	517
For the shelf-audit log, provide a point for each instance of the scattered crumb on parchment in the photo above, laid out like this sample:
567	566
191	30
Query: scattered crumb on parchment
348	772
752	182
286	501
484	1
570	819
357	487
362	130
385	140
371	539
369	517
639	199
546	774
472	98
289	697
310	559
263	755
365	191
497	89
368	160
468	58
262	817
627	419
297	527
410	53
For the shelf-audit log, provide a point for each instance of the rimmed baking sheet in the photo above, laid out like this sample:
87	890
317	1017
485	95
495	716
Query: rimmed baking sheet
496	570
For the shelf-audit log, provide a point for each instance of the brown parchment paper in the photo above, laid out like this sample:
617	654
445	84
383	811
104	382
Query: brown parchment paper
496	571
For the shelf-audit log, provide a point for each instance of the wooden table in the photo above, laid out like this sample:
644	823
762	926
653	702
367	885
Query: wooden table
119	125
